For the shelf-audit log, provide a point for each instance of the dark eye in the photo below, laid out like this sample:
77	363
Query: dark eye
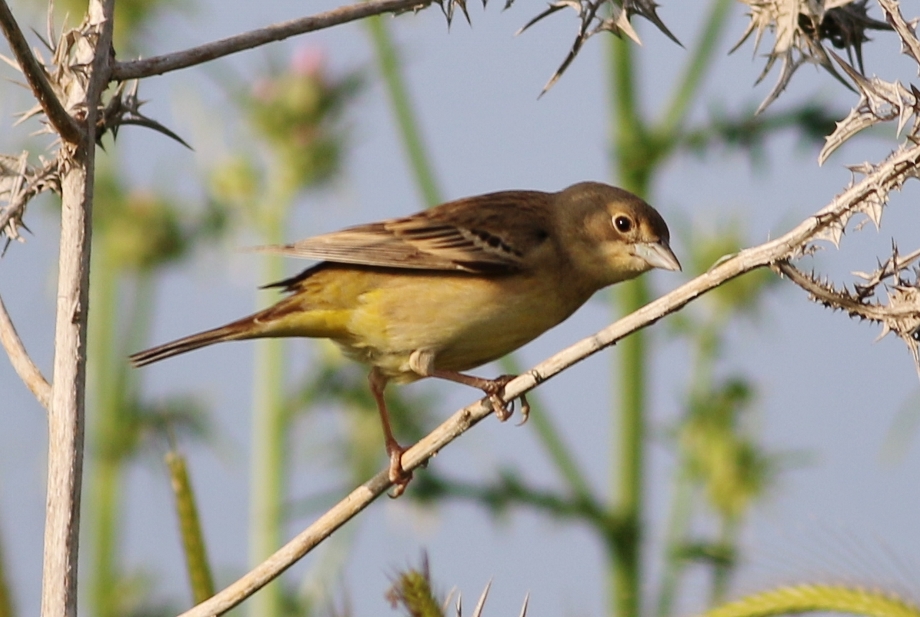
622	223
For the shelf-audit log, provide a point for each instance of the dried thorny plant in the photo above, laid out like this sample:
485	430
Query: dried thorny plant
802	29
600	16
66	78
898	277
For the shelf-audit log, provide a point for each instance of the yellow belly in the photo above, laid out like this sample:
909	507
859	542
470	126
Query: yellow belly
379	317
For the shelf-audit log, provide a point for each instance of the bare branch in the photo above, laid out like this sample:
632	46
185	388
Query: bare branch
888	175
91	49
25	368
63	123
198	55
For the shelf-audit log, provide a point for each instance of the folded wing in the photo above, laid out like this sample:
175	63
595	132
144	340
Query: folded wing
488	233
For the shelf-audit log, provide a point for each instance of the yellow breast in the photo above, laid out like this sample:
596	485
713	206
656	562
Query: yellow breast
380	316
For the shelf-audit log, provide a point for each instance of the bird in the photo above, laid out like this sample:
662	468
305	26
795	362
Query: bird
448	289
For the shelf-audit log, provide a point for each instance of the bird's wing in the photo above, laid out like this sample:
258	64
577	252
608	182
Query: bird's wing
487	233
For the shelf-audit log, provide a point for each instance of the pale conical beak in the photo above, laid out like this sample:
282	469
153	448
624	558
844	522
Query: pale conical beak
657	255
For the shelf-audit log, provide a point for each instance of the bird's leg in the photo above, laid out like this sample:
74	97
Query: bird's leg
398	476
493	388
422	362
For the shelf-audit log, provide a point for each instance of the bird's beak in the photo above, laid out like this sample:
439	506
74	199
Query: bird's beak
657	255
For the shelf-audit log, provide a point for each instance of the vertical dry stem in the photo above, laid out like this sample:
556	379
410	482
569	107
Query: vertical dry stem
65	430
66	419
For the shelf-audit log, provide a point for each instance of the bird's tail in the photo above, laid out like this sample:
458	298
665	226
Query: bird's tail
246	328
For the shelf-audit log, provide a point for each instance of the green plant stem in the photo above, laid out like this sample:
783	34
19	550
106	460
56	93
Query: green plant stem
682	497
722	570
193	544
108	424
390	70
681	505
634	167
269	419
694	75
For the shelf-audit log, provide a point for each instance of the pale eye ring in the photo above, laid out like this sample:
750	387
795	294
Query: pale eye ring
622	223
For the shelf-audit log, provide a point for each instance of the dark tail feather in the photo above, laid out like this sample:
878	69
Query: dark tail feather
242	329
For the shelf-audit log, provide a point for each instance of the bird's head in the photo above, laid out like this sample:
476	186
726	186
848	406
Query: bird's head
612	235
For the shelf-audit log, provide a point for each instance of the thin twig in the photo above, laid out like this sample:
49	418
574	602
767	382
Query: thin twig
25	367
158	65
62	122
890	175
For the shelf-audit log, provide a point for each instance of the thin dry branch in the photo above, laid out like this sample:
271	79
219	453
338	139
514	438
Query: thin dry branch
25	367
887	176
62	122
158	65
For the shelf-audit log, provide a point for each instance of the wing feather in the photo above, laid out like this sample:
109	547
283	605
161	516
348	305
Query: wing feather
493	232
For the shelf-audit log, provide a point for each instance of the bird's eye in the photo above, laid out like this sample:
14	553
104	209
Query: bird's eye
622	223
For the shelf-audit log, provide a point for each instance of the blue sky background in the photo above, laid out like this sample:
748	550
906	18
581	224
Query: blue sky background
826	389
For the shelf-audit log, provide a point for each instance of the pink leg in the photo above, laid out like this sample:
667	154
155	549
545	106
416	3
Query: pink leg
398	476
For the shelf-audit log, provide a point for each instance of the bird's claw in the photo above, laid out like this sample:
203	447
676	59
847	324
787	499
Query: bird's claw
398	476
503	409
525	410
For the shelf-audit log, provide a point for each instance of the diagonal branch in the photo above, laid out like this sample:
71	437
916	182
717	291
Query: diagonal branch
63	123
890	174
158	65
25	368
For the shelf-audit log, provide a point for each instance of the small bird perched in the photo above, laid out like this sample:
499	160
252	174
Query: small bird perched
454	287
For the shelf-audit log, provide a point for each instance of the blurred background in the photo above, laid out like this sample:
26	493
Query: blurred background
781	441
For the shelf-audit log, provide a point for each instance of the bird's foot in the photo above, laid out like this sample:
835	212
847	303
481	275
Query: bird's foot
495	390
398	476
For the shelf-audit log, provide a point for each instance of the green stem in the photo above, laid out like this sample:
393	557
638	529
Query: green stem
634	167
193	545
682	501
693	76
269	428
675	535
389	63
722	570
108	432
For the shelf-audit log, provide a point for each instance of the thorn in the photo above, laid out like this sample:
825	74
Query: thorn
477	612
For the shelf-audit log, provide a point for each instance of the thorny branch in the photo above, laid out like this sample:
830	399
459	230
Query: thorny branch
63	123
19	183
800	30
900	315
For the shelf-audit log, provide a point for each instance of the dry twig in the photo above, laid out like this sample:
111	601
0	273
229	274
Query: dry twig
158	65
25	367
